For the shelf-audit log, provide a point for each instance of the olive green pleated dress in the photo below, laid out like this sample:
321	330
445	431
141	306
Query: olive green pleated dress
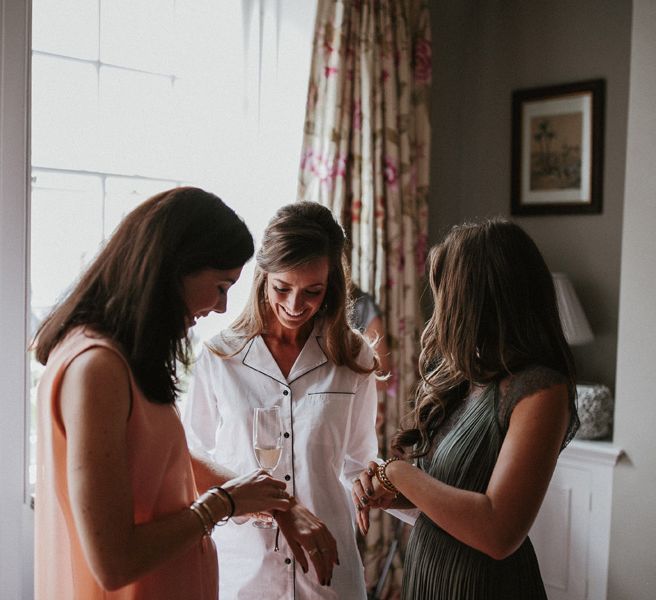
439	567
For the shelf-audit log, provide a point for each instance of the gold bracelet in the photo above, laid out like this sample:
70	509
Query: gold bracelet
224	494
202	504
224	503
202	517
384	479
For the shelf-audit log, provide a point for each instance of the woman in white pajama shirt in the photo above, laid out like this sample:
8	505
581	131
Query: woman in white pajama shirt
292	347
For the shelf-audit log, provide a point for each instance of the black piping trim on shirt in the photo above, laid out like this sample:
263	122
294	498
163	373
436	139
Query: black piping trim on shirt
243	362
313	368
291	434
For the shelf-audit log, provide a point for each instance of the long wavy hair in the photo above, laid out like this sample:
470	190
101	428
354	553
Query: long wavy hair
495	313
132	292
300	233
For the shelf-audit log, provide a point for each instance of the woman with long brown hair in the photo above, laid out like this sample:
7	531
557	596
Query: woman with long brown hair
118	514
292	347
494	407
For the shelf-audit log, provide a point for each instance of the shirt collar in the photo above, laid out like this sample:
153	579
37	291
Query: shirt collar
258	357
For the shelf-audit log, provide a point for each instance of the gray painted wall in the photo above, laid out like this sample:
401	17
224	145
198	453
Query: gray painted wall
632	574
485	49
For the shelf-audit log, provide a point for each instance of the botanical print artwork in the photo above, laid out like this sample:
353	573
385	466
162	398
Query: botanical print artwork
556	151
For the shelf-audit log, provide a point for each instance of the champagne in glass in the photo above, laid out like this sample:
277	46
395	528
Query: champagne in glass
267	458
267	442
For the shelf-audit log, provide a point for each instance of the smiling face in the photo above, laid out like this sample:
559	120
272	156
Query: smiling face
206	291
296	296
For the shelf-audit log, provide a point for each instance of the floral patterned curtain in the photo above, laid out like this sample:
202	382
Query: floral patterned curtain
366	156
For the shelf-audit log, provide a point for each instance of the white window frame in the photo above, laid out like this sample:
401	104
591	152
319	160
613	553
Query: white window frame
16	515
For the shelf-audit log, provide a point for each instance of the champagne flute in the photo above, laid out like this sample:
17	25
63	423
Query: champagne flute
267	442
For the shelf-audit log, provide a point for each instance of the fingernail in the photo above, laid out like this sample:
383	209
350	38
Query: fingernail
364	500
370	472
369	491
358	507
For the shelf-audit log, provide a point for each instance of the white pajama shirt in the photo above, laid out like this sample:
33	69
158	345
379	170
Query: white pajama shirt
328	414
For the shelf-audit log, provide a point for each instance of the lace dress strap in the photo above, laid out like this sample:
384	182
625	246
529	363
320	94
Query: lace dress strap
527	382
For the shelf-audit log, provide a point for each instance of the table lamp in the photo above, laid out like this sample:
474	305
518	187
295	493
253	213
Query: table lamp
575	325
595	403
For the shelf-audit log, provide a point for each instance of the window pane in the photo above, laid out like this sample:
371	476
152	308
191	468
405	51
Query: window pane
64	113
122	194
67	27
66	225
216	46
136	121
138	34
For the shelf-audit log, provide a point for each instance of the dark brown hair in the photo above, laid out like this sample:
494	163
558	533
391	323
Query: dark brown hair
495	312
298	234
132	292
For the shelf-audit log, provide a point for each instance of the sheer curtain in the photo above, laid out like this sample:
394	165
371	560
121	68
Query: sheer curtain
366	156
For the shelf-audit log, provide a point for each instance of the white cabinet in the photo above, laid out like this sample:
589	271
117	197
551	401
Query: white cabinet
571	533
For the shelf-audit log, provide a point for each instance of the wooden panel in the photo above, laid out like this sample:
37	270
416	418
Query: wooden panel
560	534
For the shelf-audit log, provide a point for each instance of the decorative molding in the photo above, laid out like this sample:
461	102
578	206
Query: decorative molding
603	453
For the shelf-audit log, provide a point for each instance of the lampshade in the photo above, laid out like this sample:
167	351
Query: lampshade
575	326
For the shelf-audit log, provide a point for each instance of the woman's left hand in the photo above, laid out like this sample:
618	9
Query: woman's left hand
367	493
305	531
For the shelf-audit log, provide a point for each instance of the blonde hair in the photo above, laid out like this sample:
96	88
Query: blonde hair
298	234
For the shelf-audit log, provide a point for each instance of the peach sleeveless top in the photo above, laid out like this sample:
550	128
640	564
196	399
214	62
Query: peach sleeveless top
162	483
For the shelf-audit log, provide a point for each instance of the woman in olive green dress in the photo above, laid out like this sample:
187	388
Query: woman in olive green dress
495	406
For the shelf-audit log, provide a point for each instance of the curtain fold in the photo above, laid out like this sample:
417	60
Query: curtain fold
365	155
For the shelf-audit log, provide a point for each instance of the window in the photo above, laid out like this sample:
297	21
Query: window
132	97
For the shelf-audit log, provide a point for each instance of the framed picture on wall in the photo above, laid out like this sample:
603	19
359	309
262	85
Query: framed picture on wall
557	149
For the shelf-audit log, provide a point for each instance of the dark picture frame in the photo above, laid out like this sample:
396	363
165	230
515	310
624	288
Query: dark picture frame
558	149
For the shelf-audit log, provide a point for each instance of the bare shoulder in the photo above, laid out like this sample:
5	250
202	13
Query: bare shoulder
99	364
537	392
96	381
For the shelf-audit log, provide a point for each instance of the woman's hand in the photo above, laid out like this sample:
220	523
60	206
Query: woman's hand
257	492
305	531
367	493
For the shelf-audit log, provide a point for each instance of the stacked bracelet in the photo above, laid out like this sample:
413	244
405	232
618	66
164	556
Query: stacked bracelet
384	479
224	493
201	511
201	508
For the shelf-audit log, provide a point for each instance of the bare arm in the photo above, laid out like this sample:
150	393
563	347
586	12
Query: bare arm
497	521
95	404
208	473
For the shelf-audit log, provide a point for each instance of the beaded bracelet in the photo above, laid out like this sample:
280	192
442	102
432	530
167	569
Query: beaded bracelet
384	479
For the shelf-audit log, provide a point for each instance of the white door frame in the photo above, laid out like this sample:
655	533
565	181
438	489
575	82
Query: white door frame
16	516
